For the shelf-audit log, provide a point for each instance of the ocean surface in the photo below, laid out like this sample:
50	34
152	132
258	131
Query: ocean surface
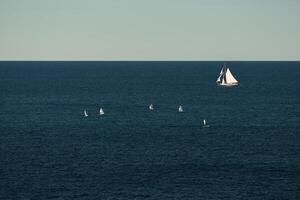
48	150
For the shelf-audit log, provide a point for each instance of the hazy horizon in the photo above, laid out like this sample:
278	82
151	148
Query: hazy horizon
193	30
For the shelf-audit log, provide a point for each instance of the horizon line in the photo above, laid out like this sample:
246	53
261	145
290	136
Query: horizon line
142	60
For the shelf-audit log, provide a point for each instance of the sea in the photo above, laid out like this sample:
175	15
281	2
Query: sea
49	150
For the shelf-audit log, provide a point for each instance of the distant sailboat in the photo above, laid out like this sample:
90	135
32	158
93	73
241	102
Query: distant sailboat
151	107
205	125
85	113
226	78
180	109
101	112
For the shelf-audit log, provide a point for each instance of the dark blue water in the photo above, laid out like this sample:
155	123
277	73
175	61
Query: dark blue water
48	150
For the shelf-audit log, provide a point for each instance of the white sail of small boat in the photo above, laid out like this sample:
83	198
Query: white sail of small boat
151	107
101	112
205	125
226	78
180	109
85	113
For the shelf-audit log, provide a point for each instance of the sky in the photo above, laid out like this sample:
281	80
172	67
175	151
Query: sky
149	30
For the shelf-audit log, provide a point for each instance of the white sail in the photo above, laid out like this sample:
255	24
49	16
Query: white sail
229	77
151	107
85	113
221	74
101	112
180	109
205	125
223	81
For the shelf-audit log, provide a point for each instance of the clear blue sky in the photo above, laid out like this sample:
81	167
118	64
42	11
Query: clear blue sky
149	30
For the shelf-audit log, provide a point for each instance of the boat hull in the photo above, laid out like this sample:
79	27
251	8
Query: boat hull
228	85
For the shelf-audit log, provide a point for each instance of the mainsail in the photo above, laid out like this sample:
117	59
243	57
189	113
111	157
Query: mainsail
229	77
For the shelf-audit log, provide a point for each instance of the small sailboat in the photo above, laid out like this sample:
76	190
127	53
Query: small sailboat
101	112
151	107
180	109
85	113
205	125
226	78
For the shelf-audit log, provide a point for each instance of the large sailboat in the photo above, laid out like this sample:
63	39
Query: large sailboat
226	78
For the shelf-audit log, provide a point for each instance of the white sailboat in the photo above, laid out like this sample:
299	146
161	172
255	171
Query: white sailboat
205	125
101	112
180	109
151	107
85	113
226	78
